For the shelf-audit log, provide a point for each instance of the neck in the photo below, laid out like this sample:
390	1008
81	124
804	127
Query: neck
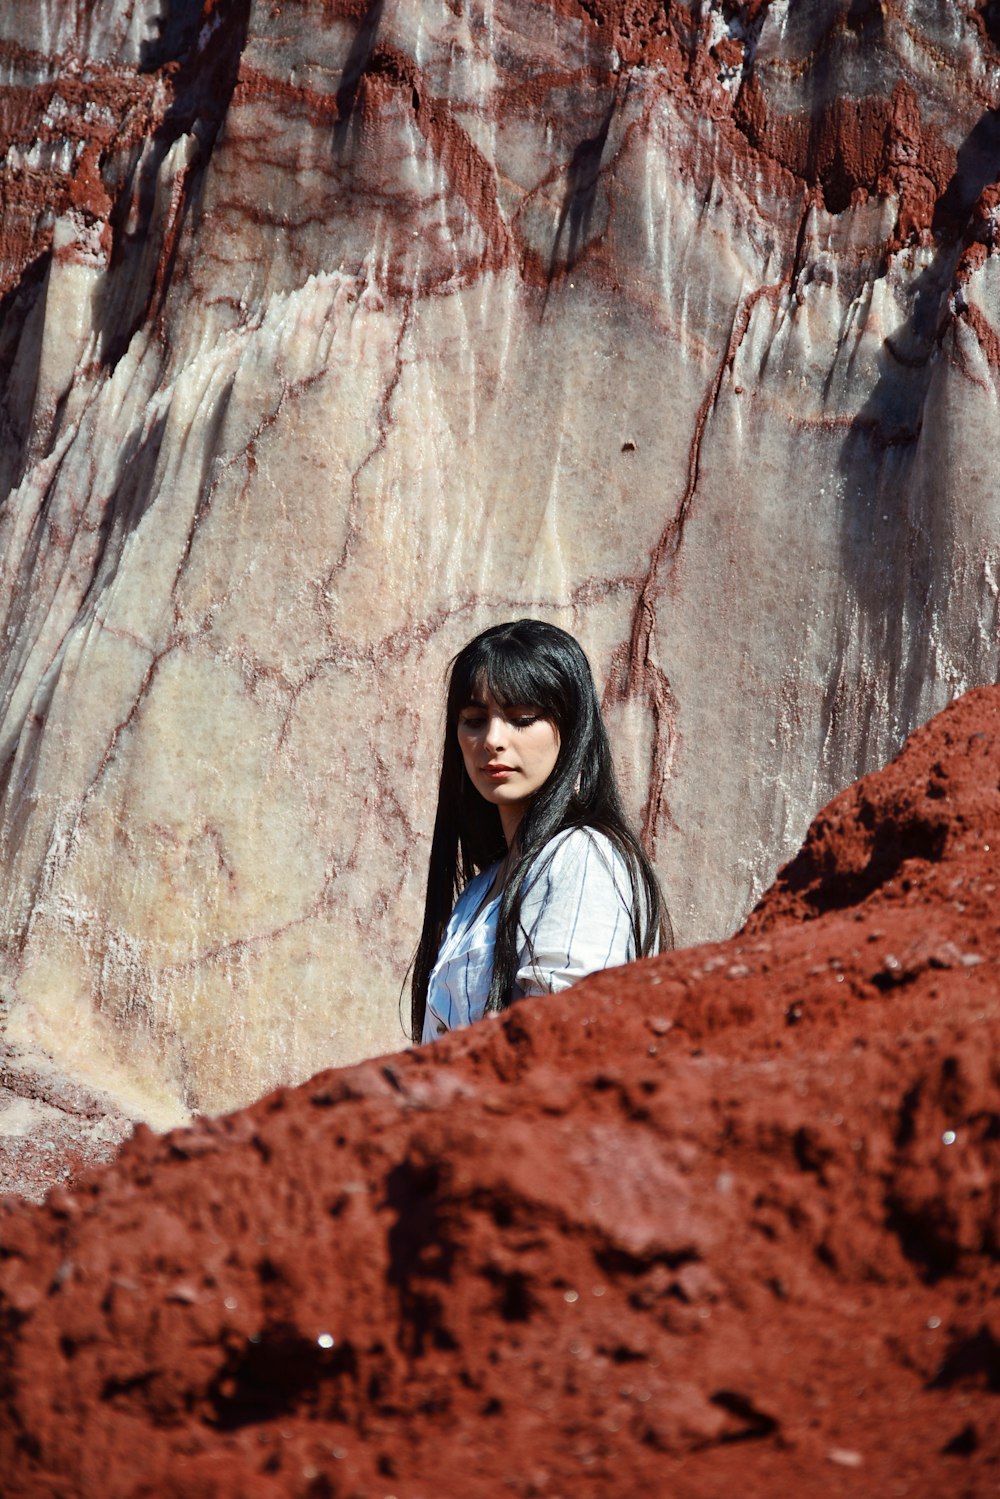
510	821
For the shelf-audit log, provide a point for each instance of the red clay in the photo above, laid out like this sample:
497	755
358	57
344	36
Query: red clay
727	1222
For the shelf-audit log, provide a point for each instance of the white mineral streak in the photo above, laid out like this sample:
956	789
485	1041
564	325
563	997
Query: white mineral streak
237	555
78	30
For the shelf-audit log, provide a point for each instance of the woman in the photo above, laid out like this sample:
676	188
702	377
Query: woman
529	835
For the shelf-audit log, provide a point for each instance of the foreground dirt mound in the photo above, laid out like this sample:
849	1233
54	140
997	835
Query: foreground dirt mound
725	1223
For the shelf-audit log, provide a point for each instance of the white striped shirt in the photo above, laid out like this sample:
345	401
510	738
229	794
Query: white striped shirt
575	919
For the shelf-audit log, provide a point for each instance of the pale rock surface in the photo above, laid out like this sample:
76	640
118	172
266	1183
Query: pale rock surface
331	334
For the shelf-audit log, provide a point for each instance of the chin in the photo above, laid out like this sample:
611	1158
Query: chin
495	794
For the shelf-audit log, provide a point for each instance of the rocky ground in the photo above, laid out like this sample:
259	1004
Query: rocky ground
51	1128
727	1222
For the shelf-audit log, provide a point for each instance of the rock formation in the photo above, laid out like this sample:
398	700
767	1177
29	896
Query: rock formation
724	1222
331	332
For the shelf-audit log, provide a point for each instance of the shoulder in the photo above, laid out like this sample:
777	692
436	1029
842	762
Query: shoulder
579	855
474	891
480	881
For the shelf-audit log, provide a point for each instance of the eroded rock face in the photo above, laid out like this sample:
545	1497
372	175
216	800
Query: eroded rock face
333	333
727	1221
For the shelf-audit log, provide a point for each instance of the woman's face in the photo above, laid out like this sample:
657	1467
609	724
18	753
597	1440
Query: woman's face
509	753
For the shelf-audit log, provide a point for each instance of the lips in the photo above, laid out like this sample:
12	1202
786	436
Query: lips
497	772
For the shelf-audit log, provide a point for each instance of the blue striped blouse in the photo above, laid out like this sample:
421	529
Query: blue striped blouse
575	919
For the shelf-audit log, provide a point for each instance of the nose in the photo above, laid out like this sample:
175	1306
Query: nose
496	733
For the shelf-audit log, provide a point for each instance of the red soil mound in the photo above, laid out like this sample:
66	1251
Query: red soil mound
725	1223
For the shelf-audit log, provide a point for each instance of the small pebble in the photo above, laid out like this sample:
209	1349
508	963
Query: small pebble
844	1457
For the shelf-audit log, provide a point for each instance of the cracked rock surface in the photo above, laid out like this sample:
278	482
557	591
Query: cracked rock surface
723	1222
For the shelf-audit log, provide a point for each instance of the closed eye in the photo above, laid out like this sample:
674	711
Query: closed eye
523	715
475	718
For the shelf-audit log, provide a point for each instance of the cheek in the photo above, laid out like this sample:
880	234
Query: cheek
548	751
467	747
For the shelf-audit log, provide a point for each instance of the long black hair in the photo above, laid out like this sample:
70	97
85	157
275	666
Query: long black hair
526	663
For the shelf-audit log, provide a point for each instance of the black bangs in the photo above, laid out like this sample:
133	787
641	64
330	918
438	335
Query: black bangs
515	672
